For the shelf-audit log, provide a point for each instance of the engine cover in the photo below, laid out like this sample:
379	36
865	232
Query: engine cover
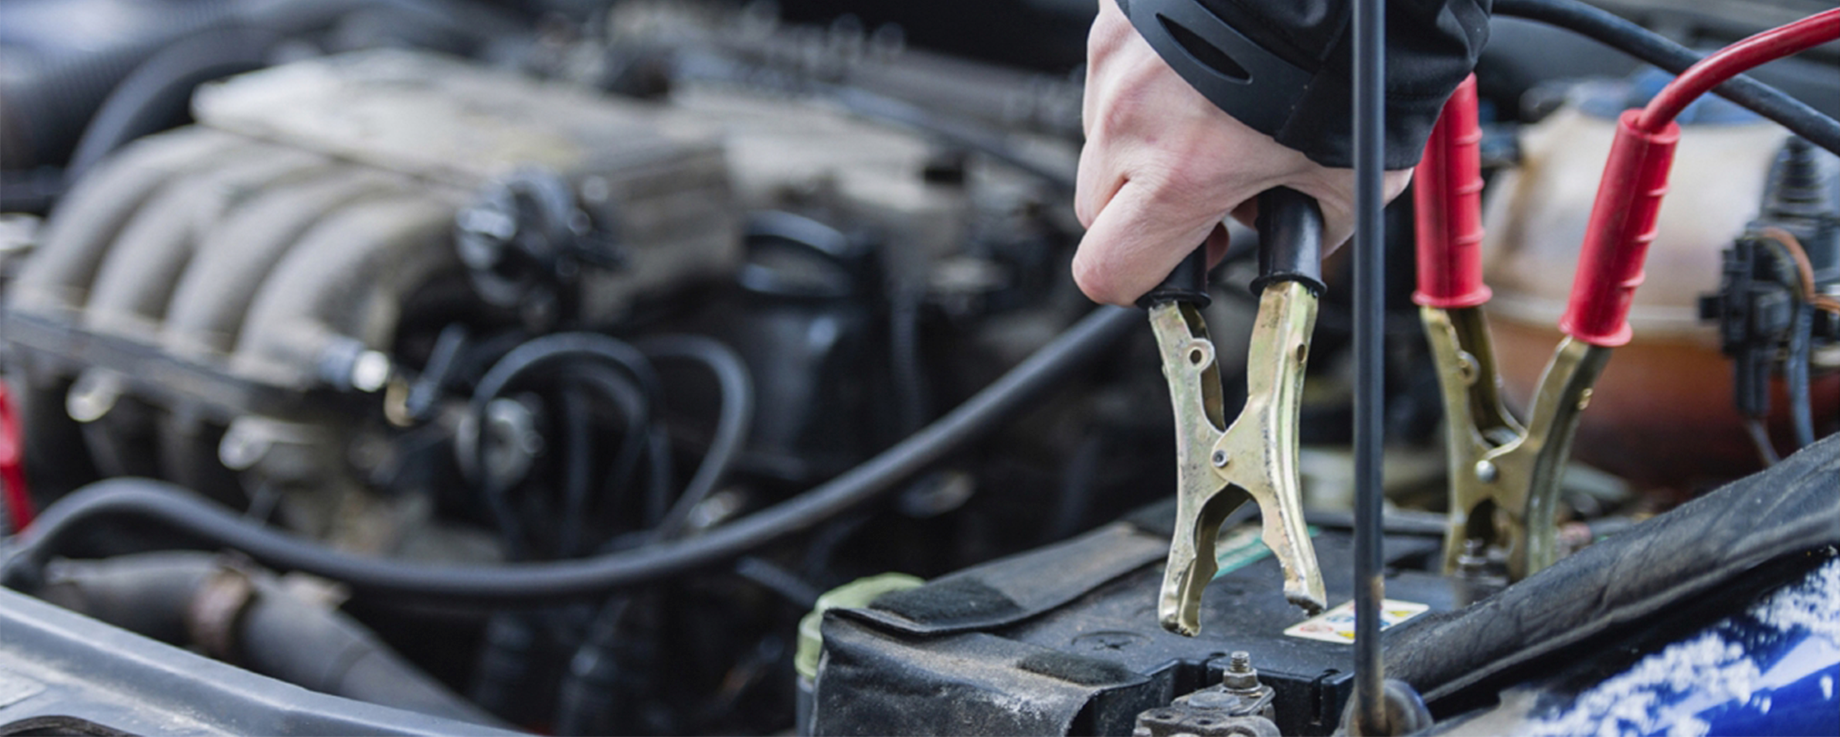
260	270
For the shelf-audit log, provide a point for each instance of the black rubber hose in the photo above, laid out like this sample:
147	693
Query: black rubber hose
1641	43
913	400
580	711
156	94
549	350
737	414
770	576
1801	409
276	634
578	467
168	505
635	438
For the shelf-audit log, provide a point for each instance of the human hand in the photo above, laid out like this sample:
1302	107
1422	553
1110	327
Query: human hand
1163	166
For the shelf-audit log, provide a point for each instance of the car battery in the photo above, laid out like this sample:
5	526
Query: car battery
1065	639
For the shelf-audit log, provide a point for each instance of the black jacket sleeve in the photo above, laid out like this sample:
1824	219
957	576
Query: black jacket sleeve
1430	46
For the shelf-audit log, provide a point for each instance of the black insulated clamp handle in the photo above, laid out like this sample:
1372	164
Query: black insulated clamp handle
1187	282
1290	225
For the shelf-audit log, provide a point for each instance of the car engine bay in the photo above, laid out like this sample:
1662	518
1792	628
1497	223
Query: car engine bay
668	367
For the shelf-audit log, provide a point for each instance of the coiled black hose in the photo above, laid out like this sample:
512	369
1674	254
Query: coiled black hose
565	348
165	504
737	414
583	708
1651	47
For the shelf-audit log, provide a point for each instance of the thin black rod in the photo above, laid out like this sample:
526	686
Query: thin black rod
1369	337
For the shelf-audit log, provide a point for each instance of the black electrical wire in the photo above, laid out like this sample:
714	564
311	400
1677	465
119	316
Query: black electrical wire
573	348
1369	26
1641	43
732	424
1760	437
578	466
912	398
796	591
170	506
1795	366
635	408
156	94
644	438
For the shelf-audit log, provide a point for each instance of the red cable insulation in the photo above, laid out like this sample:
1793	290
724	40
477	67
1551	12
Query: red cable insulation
1736	59
12	465
1628	205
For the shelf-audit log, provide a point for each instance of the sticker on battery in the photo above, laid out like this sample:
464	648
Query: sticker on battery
1337	625
1241	547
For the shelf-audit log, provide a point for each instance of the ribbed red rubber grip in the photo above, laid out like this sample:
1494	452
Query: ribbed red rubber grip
1621	228
1447	196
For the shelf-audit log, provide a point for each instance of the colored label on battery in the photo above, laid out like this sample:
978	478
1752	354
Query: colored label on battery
1337	625
1241	547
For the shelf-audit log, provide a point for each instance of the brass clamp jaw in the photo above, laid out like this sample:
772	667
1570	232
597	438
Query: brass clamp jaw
1220	466
1505	476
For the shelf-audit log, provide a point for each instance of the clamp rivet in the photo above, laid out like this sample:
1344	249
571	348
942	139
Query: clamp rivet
1486	472
1220	459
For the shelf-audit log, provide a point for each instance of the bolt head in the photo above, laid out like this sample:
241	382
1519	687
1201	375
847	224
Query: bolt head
1487	472
1220	459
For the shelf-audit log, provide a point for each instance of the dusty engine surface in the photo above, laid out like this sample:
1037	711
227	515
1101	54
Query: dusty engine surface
197	302
665	367
418	306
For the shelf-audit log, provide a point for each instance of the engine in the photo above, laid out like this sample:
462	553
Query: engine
669	367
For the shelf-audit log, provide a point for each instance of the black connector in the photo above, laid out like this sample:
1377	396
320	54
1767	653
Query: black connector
1290	227
1187	282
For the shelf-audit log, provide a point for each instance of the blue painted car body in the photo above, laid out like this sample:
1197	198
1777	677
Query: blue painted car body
1773	669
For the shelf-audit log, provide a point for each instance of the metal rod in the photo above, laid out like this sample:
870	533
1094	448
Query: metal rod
1370	371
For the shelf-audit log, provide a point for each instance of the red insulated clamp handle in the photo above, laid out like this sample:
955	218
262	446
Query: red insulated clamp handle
1622	225
18	501
1447	197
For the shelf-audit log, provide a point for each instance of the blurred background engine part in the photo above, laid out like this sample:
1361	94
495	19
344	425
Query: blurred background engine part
612	280
1778	304
208	301
373	298
80	79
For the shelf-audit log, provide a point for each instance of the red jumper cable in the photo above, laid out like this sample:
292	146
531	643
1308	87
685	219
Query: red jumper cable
12	465
1505	475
